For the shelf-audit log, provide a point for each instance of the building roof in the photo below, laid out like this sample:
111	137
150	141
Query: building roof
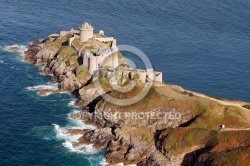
86	25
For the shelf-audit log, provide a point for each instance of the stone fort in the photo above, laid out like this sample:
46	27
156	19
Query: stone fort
100	53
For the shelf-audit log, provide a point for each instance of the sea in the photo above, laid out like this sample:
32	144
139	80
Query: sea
200	45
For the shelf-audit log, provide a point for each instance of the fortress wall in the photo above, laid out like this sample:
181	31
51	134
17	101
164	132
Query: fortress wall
100	61
62	33
110	59
76	31
133	72
85	60
93	64
74	47
71	40
158	77
52	37
115	61
105	39
90	61
107	61
142	76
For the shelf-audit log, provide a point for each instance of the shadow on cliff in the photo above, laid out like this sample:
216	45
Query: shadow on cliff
191	159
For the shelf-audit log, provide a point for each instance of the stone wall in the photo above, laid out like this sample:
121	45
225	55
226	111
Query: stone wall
158	76
71	40
142	75
105	39
93	63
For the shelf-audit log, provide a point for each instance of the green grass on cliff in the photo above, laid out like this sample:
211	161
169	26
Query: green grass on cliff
76	42
237	157
232	139
217	115
58	42
197	111
105	84
68	56
224	147
82	72
179	140
233	149
247	106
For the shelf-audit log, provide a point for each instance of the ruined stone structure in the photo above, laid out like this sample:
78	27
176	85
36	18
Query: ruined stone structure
86	32
103	58
101	52
145	76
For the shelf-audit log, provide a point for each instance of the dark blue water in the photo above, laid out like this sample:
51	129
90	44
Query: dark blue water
199	45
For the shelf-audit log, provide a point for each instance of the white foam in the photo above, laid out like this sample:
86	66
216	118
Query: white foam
41	73
1	61
41	87
104	162
88	149
20	51
10	46
64	92
62	134
72	104
79	123
46	94
120	164
47	138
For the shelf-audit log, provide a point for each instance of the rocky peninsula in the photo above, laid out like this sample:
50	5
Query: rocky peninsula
169	126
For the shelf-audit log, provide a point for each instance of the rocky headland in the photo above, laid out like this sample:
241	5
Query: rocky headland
170	126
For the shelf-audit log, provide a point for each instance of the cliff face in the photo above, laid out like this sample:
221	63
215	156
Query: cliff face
170	126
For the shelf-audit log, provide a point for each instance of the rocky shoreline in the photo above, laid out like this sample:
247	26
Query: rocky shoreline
181	128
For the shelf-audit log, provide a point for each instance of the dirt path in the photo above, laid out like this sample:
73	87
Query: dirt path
223	102
169	90
235	129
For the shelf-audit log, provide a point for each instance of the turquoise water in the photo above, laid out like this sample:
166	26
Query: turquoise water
199	45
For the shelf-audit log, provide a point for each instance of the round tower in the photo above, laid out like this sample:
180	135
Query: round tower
86	32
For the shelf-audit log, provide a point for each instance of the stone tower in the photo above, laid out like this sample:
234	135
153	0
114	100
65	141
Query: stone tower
86	32
114	47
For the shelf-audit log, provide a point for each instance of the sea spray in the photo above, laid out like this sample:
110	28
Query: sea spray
62	134
72	104
41	87
77	123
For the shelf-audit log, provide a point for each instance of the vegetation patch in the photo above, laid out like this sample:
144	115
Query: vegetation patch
179	140
76	43
68	55
247	106
239	156
232	139
82	72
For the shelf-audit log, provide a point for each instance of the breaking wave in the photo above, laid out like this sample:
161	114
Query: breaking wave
62	134
49	86
41	87
72	104
70	139
103	162
20	49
